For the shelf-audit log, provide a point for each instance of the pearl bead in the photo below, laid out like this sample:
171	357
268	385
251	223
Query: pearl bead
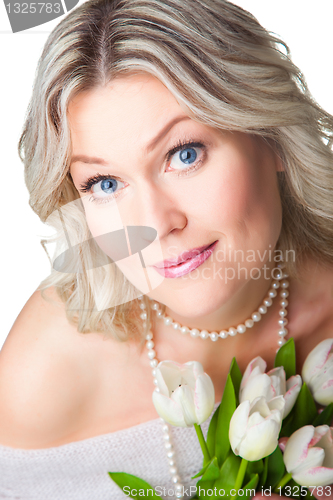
282	313
168	446
283	321
153	363
204	334
232	331
223	334
151	354
165	428
281	265
249	323
268	302
275	284
278	275
159	314
179	487
166	437
262	309
284	284
155	306
143	315
194	332
170	454
284	303
167	320
173	470
142	305
214	336
282	332
284	294
184	329
149	336
171	463
176	326
150	344
155	381
281	342
241	328
272	293
256	316
175	479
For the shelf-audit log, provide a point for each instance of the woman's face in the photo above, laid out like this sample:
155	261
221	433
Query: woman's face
139	160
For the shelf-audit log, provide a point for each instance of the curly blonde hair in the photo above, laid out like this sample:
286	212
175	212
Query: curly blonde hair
226	71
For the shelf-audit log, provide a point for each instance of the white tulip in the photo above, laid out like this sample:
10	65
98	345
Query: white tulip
317	372
308	455
256	383
185	394
255	427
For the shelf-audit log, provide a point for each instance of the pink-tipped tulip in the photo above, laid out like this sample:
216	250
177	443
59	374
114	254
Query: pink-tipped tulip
317	372
308	455
256	383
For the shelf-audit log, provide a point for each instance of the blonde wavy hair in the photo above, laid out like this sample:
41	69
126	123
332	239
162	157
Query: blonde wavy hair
226	71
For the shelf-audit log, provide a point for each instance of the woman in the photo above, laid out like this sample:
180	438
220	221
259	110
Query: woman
180	156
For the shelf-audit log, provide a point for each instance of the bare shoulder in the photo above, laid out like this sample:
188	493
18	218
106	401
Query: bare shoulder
42	381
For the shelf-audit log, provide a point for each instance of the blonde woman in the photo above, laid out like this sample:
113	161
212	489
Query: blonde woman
189	121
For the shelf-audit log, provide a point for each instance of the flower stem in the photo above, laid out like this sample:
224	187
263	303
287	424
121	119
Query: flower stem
202	443
241	474
286	478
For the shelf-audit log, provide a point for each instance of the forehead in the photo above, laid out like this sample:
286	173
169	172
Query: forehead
129	107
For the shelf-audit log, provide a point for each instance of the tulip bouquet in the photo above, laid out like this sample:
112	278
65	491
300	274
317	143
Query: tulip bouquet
270	433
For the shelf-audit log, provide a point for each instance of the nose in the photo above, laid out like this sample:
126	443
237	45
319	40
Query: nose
154	206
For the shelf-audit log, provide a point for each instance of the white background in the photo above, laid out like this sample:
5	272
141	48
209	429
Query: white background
304	24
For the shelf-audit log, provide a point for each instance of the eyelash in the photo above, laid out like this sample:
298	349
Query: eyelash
88	185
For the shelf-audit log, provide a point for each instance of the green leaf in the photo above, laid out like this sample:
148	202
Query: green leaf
305	412
236	377
227	408
131	484
212	471
203	487
203	470
211	434
325	417
253	468
263	476
251	485
228	473
286	357
275	468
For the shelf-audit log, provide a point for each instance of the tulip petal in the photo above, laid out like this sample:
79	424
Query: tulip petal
237	426
161	383
260	440
316	359
204	397
318	476
190	371
296	449
256	367
293	387
314	458
169	410
171	374
184	397
255	387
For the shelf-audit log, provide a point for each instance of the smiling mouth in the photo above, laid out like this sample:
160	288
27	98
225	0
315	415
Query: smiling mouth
185	267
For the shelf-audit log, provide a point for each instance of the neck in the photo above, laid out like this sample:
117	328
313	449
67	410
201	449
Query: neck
237	306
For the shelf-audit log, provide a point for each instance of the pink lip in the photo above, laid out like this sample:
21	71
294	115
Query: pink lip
189	254
175	271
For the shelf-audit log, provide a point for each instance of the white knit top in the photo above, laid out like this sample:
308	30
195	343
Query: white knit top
79	470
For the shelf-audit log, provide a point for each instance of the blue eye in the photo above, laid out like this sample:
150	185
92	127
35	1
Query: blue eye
188	155
108	186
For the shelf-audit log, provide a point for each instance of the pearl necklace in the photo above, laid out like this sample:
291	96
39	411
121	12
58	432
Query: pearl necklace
280	282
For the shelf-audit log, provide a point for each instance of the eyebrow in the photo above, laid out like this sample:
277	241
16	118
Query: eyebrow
152	144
